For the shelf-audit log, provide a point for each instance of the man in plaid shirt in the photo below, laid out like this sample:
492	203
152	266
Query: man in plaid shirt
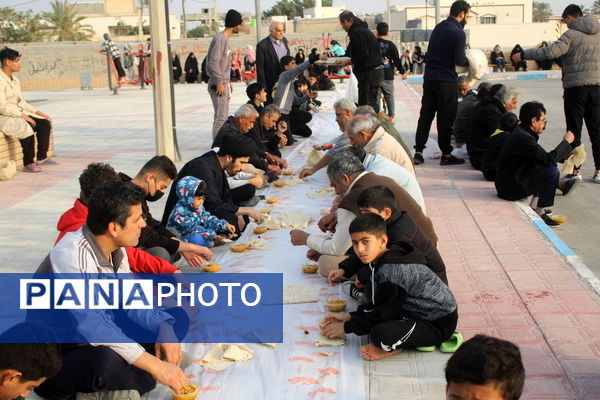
110	46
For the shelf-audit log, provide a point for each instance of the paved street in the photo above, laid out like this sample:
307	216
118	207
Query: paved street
509	280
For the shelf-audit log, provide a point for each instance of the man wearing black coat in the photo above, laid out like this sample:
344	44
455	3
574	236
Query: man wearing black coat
525	168
366	59
213	168
268	54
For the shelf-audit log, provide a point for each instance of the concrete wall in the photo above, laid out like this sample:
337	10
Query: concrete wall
58	65
323	25
100	24
527	35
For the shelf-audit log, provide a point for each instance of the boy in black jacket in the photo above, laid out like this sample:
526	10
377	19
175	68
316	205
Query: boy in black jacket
400	227
408	305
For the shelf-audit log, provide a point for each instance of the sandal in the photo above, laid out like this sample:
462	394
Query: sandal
425	349
452	344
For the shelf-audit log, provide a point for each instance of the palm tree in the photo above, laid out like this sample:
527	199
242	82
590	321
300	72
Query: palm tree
585	9
541	11
596	7
64	24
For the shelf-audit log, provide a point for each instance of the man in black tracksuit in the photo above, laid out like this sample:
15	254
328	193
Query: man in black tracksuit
365	57
440	90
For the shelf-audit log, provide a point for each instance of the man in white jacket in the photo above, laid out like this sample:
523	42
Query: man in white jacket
125	369
18	118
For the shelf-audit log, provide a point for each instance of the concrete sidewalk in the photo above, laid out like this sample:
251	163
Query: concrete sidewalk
509	280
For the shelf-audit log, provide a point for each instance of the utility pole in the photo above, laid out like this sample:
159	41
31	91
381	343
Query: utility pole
162	87
141	21
184	19
437	11
258	19
389	14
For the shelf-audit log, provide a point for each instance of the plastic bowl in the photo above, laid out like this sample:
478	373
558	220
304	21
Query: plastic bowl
266	211
259	230
211	267
279	184
272	200
239	248
288	173
189	392
310	268
336	305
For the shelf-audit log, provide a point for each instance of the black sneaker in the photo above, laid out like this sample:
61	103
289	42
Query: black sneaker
350	289
569	186
418	158
549	221
451	160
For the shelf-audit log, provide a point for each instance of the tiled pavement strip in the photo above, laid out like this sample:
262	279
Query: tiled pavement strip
509	281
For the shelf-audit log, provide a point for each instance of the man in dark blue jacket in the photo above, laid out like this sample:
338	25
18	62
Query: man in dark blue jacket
365	59
446	50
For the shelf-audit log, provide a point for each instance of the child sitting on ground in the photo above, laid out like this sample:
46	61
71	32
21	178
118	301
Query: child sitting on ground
493	145
407	304
189	218
400	227
257	95
485	368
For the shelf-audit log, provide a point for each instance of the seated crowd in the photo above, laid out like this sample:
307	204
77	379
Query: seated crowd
380	242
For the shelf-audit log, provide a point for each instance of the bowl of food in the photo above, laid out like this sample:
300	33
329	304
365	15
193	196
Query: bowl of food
272	200
259	230
310	268
288	172
266	211
211	267
279	184
189	392
336	305
239	248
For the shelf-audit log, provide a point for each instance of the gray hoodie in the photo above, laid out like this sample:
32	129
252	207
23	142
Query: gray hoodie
579	51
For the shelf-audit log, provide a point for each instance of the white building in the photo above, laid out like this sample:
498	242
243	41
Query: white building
318	11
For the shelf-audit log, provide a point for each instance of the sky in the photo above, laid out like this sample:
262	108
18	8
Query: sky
248	5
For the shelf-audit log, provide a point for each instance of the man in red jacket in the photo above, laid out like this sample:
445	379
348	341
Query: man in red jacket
74	218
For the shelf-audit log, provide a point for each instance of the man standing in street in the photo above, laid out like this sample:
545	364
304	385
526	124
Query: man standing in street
268	55
391	61
218	66
579	52
365	59
440	91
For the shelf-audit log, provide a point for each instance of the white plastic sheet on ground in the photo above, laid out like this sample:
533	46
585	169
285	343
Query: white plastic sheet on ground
295	369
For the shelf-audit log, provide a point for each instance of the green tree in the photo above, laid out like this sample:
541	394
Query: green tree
585	9
596	7
65	24
541	11
293	8
203	30
20	27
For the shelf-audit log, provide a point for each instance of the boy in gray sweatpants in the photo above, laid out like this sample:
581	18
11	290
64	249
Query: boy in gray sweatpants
218	66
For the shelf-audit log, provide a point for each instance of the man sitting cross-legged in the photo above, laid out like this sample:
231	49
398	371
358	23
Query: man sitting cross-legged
349	179
407	305
74	218
213	168
114	221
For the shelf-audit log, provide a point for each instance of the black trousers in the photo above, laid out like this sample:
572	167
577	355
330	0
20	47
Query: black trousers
413	332
441	98
581	104
238	195
90	369
42	131
298	121
546	179
369	85
119	67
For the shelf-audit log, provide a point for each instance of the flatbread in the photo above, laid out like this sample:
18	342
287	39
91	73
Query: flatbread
294	180
224	355
323	341
294	294
313	158
272	345
258	244
321	193
271	223
288	219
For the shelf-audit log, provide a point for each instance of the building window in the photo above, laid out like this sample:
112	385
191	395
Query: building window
488	19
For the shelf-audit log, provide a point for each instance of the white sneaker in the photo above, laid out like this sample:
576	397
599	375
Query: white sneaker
578	177
596	178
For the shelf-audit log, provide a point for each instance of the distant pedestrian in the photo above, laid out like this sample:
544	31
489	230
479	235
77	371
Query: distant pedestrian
218	67
446	50
391	62
269	52
521	64
497	58
406	61
176	67
300	56
110	47
191	68
365	57
418	61
579	52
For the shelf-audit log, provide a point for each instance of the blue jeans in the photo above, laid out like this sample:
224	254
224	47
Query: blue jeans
200	240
